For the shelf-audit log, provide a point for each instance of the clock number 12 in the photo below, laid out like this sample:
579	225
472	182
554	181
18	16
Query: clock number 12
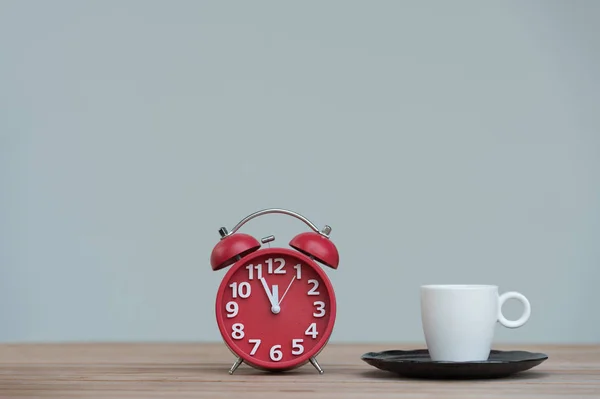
279	269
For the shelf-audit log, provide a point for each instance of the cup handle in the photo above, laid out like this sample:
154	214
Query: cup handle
526	311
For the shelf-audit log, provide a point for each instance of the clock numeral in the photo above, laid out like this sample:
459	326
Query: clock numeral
275	353
256	343
320	307
312	330
313	290
279	269
297	348
251	271
298	268
243	290
237	331
232	309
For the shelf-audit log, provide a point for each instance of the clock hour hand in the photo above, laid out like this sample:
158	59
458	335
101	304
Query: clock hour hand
273	297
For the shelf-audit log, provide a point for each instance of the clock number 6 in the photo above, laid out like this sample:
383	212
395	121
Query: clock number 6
275	353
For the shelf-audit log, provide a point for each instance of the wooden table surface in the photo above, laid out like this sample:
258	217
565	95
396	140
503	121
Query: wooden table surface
201	371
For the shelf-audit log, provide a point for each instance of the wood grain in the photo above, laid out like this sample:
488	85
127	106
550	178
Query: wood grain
115	370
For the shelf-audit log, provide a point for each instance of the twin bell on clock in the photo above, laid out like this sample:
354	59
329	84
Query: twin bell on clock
275	306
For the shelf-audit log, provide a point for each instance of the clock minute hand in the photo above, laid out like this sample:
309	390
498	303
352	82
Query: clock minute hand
272	296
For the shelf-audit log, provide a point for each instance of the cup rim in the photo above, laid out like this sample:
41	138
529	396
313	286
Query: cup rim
458	287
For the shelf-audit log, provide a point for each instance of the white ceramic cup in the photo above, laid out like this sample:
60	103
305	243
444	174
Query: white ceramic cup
459	320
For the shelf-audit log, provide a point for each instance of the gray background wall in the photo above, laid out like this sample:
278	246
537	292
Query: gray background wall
444	142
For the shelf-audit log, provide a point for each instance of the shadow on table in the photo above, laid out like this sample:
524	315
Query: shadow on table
382	374
245	370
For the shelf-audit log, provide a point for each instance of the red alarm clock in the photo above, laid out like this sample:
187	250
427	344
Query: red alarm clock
275	307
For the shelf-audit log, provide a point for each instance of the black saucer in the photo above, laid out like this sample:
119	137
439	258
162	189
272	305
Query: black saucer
418	364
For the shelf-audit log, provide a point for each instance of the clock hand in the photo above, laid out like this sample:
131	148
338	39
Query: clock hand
268	291
275	294
272	296
286	290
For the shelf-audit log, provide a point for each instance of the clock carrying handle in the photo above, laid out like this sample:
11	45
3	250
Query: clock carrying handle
325	232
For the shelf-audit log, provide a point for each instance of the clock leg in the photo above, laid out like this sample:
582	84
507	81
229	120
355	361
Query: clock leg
237	363
314	362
